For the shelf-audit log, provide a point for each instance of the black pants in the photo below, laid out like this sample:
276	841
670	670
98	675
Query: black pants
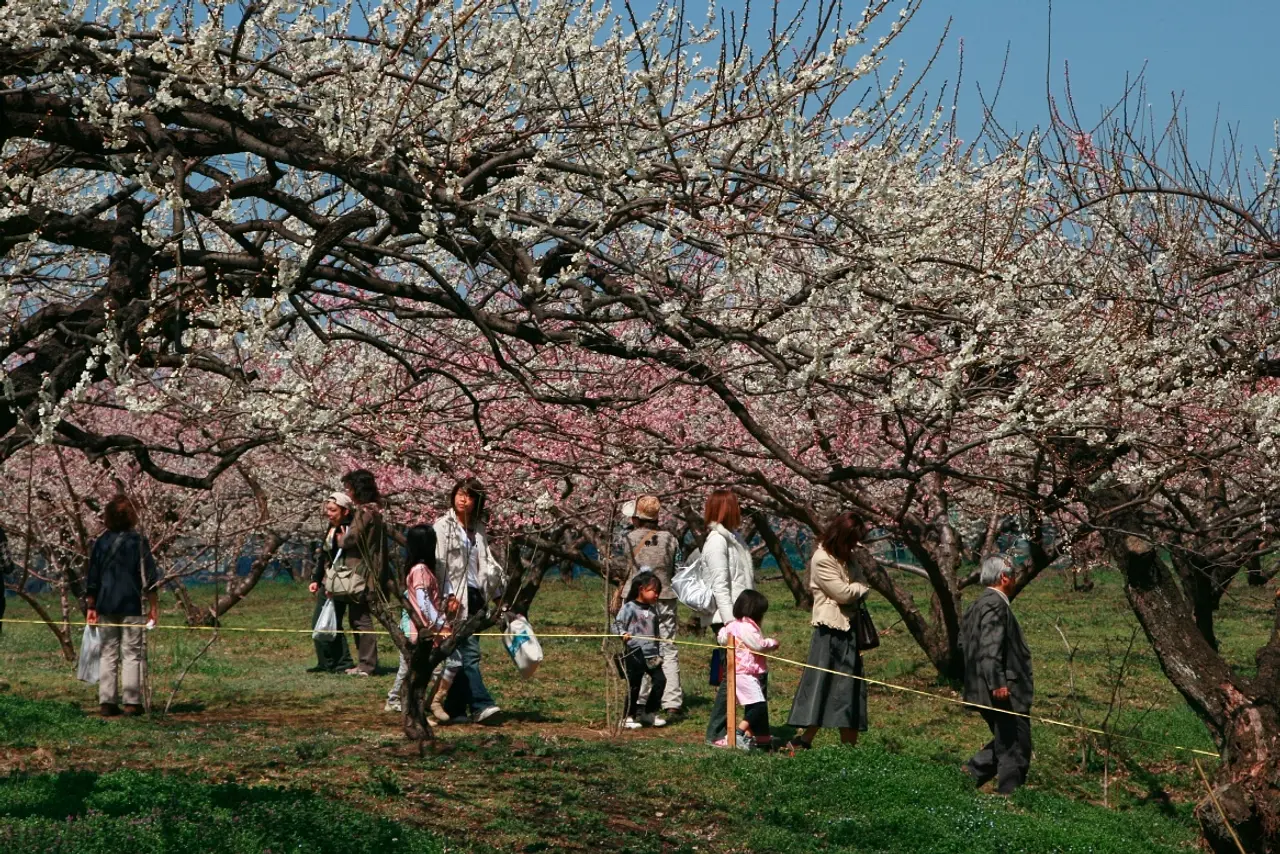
637	668
717	725
757	715
1007	756
334	654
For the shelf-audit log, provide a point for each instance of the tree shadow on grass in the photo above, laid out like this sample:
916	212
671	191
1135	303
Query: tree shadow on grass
192	707
1156	792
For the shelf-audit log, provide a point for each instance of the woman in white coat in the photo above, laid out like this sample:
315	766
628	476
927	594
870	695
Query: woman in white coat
728	569
468	575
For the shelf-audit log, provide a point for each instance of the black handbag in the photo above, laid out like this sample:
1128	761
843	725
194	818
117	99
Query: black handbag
864	631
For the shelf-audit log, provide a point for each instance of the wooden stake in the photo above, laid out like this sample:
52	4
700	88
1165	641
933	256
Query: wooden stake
731	692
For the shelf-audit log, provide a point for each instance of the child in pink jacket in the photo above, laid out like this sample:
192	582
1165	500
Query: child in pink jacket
752	671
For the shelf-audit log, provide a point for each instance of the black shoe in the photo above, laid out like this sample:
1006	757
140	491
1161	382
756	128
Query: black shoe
318	669
798	744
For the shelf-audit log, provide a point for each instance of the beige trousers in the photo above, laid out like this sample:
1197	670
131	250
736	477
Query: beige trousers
672	696
129	644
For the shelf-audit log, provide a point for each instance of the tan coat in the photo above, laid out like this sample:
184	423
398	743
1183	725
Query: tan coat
835	595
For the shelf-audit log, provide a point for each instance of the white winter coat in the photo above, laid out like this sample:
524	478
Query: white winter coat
727	569
452	557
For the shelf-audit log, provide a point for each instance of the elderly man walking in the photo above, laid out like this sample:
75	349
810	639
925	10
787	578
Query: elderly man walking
997	675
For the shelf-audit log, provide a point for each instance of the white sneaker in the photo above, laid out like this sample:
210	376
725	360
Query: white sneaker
484	714
631	723
393	706
657	721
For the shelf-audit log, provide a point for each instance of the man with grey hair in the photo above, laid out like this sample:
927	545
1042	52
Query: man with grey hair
997	677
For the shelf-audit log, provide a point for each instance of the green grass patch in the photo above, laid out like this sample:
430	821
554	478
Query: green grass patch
27	723
548	781
80	812
868	800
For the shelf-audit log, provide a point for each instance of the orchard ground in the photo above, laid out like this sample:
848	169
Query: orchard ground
256	754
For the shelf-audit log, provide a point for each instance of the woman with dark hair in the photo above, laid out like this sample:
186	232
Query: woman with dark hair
364	549
728	569
332	656
469	578
425	615
824	699
122	572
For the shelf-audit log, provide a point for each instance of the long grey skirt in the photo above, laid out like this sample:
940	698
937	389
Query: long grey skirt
827	700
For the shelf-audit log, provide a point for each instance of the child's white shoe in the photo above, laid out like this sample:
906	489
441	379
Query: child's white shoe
631	723
655	720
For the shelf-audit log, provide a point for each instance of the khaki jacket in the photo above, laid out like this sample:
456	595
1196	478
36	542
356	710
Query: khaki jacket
452	557
835	595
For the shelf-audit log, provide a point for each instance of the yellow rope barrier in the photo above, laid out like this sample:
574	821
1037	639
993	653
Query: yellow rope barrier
596	636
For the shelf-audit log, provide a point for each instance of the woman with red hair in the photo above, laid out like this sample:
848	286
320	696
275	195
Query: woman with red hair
728	569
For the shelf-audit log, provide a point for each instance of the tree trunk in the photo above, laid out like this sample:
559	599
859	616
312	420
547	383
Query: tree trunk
62	634
943	651
237	588
799	590
1247	785
1241	717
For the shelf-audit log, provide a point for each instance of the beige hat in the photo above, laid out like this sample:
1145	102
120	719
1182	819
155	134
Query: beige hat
647	507
341	499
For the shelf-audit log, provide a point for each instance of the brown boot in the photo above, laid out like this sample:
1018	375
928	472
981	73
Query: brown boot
108	710
437	702
132	711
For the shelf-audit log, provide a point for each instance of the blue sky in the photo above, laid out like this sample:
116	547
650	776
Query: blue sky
1215	54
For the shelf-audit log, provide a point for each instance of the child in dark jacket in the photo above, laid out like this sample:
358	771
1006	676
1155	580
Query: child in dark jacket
637	622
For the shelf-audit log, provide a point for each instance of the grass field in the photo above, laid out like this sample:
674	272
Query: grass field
259	755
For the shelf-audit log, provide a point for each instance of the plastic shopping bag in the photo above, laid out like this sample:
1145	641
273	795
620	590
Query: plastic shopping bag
691	589
522	645
90	653
327	624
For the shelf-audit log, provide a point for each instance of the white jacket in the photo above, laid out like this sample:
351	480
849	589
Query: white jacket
727	568
452	557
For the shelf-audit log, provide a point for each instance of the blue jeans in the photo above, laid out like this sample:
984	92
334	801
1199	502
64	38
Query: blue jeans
480	697
468	693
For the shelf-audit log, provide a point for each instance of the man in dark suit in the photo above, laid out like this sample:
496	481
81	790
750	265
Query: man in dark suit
997	675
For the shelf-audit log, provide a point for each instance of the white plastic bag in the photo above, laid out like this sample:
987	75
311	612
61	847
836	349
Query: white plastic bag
326	628
522	645
90	653
691	589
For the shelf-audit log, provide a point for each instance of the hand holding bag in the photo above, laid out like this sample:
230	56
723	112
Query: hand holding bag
90	653
342	582
326	627
864	631
522	645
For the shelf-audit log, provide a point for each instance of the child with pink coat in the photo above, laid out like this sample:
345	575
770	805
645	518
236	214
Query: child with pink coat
752	670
